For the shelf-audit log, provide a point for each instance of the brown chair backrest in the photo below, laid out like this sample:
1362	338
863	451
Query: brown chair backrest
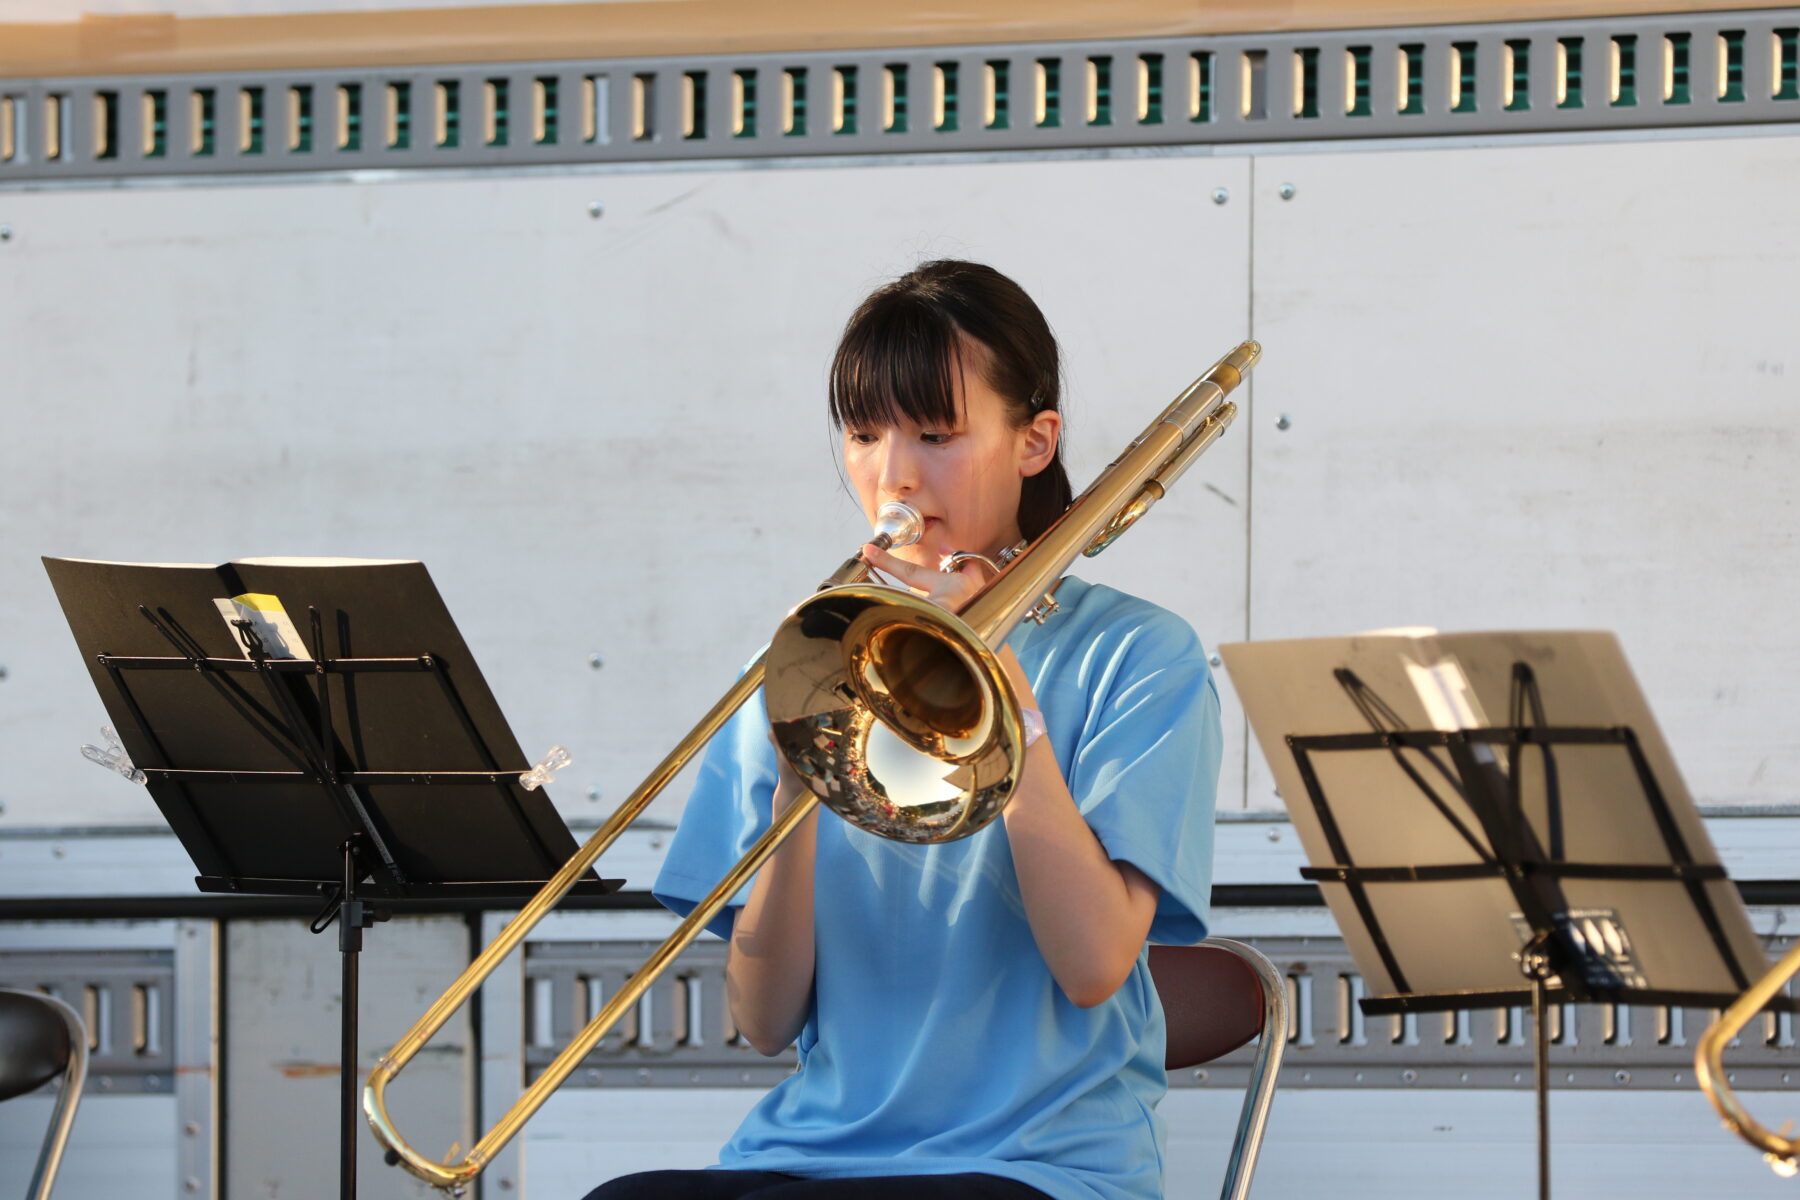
1212	1001
34	1044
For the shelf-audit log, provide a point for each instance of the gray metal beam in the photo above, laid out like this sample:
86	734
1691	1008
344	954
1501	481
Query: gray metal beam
1613	73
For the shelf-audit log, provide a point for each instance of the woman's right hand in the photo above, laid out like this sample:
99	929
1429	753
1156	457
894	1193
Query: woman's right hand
788	785
950	590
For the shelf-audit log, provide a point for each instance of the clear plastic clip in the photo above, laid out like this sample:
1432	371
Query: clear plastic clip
547	767
113	757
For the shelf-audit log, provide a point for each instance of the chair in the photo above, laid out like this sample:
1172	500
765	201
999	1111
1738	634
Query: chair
41	1038
1217	996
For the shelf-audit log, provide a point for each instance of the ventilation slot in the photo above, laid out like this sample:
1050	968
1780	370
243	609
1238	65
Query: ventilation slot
693	105
1731	66
1100	89
1306	84
106	125
1358	82
1624	71
1515	75
999	94
10	108
349	130
1150	89
1568	73
1780	1029
793	102
96	1011
1462	77
643	107
544	110
945	78
642	1033
1049	93
399	116
894	98
1677	52
690	1016
1253	93
540	1012
1200	86
55	110
300	119
1411	91
449	114
1785	46
595	100
1300	1011
743	104
1351	1024
203	113
843	100
497	103
250	120
145	1018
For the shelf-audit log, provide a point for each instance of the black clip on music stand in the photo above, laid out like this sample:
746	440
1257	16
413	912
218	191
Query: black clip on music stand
1533	843
393	788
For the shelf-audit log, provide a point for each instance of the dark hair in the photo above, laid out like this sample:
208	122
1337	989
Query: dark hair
904	345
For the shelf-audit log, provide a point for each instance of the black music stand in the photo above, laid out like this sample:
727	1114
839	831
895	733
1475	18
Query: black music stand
1565	851
349	749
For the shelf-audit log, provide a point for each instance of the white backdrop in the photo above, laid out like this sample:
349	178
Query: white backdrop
1529	386
602	435
1553	387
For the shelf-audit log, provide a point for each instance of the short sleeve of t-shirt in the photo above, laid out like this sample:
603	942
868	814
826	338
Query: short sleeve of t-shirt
1143	765
726	812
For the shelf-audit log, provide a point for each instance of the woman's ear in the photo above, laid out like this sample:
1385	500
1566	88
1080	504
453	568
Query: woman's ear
1037	442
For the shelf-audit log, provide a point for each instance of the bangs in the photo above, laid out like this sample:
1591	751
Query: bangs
899	358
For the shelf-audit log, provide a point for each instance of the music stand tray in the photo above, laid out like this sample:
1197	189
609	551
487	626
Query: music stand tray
1494	819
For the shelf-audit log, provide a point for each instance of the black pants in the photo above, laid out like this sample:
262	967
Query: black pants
767	1185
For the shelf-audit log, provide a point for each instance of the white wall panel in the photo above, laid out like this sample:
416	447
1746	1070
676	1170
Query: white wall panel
118	1146
282	1031
1546	386
603	435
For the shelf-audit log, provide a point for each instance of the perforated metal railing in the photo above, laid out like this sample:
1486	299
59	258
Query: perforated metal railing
1713	69
126	1001
681	1034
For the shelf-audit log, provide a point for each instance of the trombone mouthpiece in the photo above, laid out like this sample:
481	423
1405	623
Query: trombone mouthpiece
897	524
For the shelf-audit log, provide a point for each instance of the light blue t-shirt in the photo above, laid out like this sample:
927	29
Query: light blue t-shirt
938	1042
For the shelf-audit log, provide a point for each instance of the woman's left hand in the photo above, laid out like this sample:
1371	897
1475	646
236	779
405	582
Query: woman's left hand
947	589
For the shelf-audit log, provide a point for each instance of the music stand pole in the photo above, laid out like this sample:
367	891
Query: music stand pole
349	946
1536	965
353	916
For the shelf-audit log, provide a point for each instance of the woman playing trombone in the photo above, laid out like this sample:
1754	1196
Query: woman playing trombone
975	1020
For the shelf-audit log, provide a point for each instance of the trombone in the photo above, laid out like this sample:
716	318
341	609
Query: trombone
1780	1150
858	678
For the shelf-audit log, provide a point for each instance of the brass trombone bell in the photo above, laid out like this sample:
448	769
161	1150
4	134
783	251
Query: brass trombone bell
856	662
